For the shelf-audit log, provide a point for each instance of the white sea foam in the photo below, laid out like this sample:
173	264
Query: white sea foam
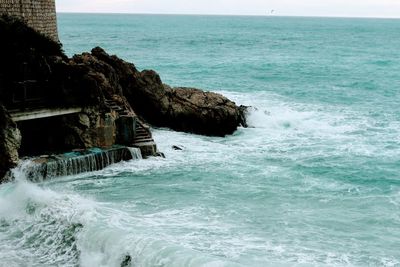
50	227
313	182
208	204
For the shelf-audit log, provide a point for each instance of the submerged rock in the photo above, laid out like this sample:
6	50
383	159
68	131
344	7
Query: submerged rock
127	262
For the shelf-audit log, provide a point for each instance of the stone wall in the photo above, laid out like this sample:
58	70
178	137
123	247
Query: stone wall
38	14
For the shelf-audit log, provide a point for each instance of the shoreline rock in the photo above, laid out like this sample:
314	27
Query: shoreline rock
10	141
116	100
181	108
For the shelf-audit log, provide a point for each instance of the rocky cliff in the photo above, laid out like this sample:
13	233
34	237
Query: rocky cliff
10	140
113	95
182	109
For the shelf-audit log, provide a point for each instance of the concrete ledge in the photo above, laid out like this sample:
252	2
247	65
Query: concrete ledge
148	149
75	162
42	113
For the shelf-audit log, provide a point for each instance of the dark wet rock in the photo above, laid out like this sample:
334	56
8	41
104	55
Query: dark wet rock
183	109
243	111
208	113
34	72
10	141
89	79
127	262
160	154
177	148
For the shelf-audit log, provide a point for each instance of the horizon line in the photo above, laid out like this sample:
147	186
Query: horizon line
227	15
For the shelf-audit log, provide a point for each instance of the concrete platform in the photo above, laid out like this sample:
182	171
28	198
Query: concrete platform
42	113
148	149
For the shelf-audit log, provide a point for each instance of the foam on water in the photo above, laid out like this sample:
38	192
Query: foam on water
157	211
313	182
193	198
39	226
136	153
43	227
200	207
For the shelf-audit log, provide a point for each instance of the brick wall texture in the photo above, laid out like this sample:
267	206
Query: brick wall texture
38	14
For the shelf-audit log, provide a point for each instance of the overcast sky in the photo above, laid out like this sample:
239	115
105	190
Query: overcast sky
348	8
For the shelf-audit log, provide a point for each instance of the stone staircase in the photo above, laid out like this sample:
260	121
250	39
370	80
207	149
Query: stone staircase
142	138
143	135
117	108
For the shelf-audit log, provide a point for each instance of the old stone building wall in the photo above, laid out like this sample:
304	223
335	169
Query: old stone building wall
38	14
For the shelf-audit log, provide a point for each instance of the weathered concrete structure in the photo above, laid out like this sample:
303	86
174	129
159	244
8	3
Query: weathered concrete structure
24	115
38	14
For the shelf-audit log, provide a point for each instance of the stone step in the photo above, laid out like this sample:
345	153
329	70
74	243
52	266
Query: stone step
142	134
112	103
143	137
135	143
116	107
109	104
143	140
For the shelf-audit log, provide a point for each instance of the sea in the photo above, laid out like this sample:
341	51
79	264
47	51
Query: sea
313	181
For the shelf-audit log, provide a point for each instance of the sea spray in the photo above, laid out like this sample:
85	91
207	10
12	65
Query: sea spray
39	226
135	152
314	182
72	163
43	227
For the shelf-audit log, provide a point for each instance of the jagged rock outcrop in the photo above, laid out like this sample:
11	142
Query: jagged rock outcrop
10	141
34	72
188	109
182	109
202	112
37	65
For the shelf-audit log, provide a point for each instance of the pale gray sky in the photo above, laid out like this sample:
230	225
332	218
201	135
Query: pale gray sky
346	8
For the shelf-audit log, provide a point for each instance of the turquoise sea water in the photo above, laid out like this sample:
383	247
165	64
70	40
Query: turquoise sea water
315	180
